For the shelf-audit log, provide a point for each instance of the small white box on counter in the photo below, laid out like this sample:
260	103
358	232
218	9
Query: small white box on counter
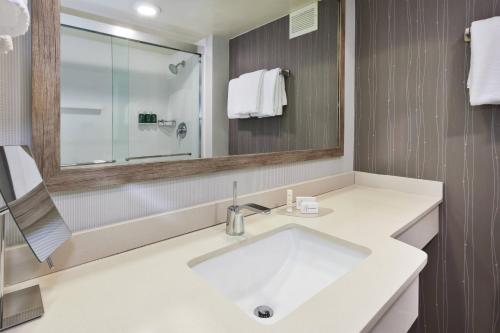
301	200
309	208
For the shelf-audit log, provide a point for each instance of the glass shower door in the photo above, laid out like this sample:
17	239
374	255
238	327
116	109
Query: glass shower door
86	97
121	99
163	83
124	101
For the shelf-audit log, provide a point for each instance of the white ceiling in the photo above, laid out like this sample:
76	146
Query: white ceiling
189	20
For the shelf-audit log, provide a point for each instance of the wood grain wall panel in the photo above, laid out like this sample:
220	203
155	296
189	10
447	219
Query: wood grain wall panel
310	121
413	119
46	85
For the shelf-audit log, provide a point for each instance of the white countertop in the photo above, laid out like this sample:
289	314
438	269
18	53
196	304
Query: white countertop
152	289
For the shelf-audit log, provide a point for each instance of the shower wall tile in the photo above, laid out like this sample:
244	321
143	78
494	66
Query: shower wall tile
413	119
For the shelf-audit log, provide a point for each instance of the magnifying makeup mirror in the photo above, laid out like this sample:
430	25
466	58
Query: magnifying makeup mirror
26	197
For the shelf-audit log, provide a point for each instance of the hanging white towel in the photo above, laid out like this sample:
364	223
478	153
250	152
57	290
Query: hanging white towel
6	44
234	107
14	17
14	21
245	95
250	99
270	93
284	99
484	76
273	94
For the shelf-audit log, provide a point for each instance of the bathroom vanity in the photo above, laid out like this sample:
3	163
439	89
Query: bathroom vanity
373	236
163	109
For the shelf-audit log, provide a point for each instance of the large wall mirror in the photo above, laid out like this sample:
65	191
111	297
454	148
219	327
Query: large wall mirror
128	91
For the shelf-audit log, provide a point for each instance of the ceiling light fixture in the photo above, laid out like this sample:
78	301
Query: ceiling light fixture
147	9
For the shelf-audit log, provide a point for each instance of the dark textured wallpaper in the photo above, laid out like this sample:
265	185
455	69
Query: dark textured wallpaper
413	119
310	121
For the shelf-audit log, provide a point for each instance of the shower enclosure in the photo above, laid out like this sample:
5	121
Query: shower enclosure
125	101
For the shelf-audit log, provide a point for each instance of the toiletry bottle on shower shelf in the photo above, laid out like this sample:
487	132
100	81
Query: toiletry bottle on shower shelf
148	118
154	118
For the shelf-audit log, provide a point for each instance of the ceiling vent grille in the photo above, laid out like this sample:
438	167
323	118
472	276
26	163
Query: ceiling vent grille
304	20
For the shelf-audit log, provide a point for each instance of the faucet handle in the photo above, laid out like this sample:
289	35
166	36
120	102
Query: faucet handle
256	208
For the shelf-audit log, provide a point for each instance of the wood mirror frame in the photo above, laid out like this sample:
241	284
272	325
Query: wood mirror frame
46	122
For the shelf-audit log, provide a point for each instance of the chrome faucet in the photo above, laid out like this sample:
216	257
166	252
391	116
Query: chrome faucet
235	223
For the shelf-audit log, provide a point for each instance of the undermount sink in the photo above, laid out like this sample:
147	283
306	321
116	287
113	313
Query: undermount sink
271	275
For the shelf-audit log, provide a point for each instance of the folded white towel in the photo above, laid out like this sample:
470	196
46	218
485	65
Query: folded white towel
484	76
273	94
235	91
270	93
284	99
6	44
245	95
258	94
14	17
250	99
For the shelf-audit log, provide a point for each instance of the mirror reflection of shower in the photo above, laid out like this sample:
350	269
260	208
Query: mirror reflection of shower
174	69
139	96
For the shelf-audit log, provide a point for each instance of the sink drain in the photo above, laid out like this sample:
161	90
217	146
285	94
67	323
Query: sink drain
263	311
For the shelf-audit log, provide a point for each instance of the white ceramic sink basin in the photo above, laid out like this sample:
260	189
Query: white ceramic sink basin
281	269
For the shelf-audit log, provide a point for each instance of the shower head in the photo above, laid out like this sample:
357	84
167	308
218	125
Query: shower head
174	69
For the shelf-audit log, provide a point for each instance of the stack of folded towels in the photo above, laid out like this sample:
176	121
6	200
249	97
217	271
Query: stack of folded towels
258	94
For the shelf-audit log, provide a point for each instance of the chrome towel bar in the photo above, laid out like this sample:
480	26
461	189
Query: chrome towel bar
467	38
157	156
88	163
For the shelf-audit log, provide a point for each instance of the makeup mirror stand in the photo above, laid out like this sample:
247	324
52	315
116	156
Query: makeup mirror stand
19	306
